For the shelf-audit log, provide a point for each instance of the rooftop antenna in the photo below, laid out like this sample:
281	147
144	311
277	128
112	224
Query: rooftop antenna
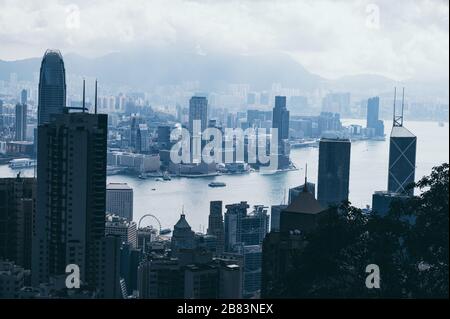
395	97
95	103
398	120
305	187
84	94
403	105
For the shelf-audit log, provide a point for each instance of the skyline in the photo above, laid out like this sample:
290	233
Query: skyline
258	174
333	39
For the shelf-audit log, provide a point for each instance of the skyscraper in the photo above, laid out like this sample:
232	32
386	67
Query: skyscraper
373	109
373	122
71	196
198	110
52	86
119	200
215	224
280	121
24	97
334	170
402	156
21	122
402	160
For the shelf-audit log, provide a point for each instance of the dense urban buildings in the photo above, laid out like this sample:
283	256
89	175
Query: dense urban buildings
17	203
94	205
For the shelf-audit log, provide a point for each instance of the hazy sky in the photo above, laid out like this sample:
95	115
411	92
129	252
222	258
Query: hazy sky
400	39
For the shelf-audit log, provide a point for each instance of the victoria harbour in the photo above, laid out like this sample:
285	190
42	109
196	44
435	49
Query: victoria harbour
368	173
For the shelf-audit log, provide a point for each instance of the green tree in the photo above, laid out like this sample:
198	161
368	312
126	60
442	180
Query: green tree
409	244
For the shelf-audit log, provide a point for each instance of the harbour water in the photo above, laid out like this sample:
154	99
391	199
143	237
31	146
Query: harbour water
368	173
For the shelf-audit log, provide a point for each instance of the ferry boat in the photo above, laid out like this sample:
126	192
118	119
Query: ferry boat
165	231
22	163
217	184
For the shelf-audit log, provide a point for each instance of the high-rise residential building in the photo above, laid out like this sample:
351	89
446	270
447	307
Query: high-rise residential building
119	200
71	196
373	121
24	97
122	227
402	160
334	170
198	111
242	228
215	224
21	122
52	86
17	202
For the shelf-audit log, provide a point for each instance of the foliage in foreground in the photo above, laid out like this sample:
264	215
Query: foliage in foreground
409	244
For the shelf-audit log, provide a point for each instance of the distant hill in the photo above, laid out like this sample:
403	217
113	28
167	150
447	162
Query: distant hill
145	69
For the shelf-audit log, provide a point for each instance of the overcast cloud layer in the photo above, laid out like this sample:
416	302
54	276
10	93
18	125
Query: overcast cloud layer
400	39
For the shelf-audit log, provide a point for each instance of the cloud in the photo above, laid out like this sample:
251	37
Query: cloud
402	39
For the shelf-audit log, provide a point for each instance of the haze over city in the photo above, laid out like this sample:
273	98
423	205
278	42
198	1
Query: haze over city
401	40
257	150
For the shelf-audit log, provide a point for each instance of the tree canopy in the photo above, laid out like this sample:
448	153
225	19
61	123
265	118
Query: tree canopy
409	245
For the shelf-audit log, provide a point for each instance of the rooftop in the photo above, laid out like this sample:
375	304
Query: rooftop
305	203
401	131
118	186
182	223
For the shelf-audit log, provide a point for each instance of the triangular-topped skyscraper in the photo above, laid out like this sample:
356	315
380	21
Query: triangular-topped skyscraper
402	155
